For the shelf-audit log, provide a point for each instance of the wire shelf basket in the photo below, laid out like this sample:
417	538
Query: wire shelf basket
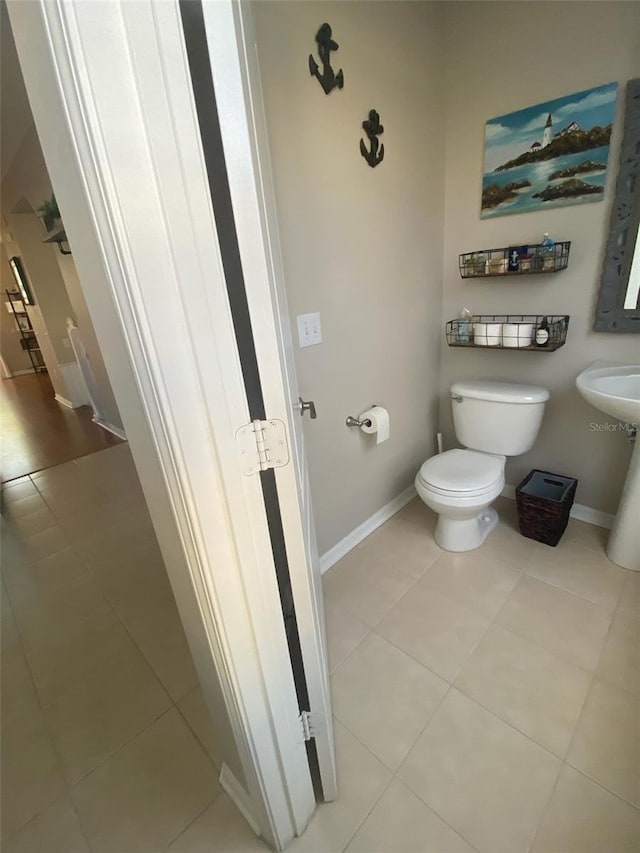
508	331
515	260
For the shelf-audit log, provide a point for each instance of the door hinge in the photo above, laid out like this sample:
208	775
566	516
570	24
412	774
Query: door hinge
306	725
262	445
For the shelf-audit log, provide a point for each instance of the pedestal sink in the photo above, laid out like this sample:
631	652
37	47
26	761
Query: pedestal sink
615	390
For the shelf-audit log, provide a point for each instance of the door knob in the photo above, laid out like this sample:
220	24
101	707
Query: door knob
308	406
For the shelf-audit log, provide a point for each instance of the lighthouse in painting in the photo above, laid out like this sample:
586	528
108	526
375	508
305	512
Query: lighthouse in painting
548	132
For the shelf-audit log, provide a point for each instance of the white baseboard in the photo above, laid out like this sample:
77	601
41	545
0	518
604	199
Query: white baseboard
111	428
21	372
238	796
367	527
578	511
63	401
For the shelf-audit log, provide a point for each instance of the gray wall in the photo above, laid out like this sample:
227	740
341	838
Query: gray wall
362	246
538	51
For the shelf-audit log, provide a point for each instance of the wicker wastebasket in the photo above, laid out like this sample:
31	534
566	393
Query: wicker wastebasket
544	501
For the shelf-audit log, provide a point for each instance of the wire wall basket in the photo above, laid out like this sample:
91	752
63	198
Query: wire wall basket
515	260
510	331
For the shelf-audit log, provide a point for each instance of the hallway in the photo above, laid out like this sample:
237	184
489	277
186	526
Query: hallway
38	433
107	744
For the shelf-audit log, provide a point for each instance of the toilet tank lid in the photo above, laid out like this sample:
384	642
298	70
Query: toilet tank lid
500	392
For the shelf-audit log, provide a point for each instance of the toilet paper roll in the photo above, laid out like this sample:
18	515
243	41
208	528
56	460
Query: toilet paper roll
379	423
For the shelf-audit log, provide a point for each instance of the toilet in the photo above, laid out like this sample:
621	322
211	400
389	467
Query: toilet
492	420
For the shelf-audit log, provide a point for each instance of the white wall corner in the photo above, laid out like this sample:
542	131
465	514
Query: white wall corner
238	796
367	527
578	511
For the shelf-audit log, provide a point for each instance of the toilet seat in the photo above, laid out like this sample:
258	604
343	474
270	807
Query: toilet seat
466	473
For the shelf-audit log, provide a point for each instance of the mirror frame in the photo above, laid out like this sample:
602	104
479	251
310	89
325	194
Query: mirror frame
611	316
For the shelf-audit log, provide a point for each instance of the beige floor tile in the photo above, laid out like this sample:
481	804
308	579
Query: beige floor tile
606	744
367	588
402	823
619	662
52	597
629	600
480	582
385	698
563	623
436	630
344	633
31	776
156	627
584	818
130	580
17	490
20	508
72	658
219	829
509	545
44	544
527	686
97	717
580	570
26	525
361	780
486	780
144	796
8	628
588	535
55	830
19	698
406	540
196	713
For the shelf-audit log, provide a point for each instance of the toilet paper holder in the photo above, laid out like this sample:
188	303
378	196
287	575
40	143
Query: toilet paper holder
356	422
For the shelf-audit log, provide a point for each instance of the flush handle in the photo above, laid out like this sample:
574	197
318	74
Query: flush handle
457	398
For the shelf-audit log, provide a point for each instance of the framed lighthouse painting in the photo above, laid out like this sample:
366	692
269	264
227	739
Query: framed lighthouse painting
548	155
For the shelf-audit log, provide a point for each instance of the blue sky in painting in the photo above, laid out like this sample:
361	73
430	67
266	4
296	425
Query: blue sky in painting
510	135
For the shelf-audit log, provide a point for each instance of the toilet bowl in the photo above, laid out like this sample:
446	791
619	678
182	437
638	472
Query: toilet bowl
494	420
460	485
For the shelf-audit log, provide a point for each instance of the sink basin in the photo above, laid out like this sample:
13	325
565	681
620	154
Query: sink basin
613	389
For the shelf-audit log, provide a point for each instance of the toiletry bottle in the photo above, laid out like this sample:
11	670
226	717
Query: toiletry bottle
542	333
548	252
464	326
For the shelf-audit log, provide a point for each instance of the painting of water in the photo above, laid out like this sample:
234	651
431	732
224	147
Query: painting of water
549	155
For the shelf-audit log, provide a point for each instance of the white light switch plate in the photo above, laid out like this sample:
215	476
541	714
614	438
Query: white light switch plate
309	329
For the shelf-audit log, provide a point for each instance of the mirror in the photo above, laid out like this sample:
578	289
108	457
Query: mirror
618	307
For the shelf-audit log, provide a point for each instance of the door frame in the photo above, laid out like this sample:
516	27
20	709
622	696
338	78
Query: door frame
240	106
109	89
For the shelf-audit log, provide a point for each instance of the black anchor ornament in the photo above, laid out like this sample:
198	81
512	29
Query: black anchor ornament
373	129
328	80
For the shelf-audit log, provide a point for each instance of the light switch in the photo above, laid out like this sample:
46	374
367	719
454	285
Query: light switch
309	329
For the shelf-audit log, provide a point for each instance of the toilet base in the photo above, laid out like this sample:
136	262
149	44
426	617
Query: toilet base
465	534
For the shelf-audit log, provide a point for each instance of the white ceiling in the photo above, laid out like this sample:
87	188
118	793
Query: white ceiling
15	113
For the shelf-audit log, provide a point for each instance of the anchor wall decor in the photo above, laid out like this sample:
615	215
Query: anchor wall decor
373	129
328	80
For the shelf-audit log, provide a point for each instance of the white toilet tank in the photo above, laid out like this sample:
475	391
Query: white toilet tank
497	417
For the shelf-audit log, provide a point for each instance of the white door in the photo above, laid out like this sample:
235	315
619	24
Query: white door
236	80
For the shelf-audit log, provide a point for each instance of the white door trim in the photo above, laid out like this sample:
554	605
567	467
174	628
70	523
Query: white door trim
119	94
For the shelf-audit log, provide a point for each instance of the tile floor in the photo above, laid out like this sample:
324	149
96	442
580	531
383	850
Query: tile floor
487	701
106	742
484	702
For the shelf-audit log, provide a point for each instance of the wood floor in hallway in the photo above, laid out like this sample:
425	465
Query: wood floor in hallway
36	432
